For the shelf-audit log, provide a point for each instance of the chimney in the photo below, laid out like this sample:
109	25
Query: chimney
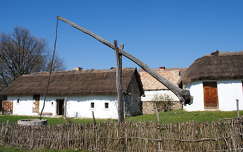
162	68
216	53
77	69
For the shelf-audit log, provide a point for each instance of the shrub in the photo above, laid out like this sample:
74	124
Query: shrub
163	102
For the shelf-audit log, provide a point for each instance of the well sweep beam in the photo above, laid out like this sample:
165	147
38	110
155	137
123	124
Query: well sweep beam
183	95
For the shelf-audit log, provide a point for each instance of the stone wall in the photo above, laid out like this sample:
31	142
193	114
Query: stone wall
149	106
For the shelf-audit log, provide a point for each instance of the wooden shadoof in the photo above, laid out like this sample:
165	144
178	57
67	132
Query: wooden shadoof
183	95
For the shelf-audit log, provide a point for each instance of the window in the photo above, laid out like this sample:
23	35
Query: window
92	105
106	105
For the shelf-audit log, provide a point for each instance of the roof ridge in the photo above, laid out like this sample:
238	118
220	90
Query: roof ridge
44	73
225	53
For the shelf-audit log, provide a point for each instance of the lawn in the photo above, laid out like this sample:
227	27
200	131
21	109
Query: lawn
51	121
165	117
183	116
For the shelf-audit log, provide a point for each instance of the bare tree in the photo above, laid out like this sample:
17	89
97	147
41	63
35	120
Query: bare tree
21	53
58	64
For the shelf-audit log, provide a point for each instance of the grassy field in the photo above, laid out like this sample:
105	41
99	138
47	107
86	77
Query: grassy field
183	116
165	117
51	121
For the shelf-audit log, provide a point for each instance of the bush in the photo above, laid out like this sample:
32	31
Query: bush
163	102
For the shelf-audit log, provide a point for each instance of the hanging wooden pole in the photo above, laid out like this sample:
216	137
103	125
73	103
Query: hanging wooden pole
119	83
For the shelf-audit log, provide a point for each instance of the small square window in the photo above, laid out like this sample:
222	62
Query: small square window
92	105
106	105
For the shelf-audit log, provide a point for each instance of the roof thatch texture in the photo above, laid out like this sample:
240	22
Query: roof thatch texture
216	66
2	86
84	82
150	83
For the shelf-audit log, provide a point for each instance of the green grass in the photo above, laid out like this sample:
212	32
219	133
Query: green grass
165	117
183	116
51	121
15	149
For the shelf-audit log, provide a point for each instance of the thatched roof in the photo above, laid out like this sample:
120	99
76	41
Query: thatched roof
83	82
216	66
2	86
150	83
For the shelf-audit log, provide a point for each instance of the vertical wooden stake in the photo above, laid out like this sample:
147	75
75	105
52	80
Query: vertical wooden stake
65	107
156	111
119	83
94	121
237	108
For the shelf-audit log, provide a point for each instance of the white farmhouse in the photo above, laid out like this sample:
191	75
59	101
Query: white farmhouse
215	82
153	88
75	93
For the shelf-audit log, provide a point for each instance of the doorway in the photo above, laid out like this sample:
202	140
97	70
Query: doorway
1	106
60	106
210	95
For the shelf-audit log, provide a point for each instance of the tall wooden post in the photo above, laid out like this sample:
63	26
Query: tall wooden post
119	83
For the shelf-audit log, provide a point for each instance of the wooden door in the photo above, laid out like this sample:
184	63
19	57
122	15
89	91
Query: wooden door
1	105
210	95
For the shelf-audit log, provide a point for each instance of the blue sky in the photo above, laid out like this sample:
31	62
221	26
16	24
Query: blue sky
170	33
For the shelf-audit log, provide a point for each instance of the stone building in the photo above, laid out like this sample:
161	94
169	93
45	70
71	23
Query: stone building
155	92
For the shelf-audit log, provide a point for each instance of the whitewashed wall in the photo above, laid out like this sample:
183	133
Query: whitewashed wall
50	105
78	106
149	95
228	92
24	107
196	91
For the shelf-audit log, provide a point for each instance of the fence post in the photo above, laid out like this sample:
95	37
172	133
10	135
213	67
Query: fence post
94	121
156	111
237	108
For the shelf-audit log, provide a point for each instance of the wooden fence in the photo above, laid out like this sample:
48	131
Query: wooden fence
225	135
